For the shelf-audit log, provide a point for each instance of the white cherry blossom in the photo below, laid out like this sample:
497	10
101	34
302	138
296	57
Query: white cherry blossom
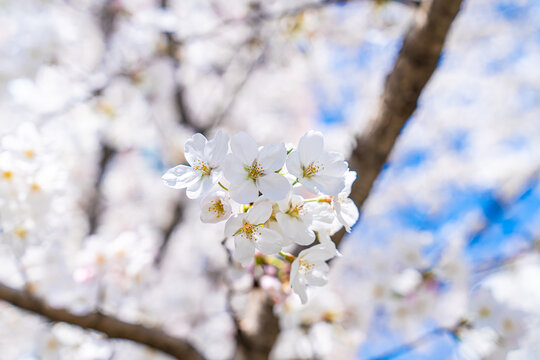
204	170
294	220
250	234
215	207
319	171
310	268
250	170
346	210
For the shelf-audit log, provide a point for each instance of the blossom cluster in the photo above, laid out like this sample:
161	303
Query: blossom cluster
271	198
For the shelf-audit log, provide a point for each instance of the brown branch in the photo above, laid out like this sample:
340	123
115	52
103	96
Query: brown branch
94	206
106	324
413	68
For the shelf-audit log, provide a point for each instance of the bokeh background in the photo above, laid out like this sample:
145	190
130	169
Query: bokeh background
97	99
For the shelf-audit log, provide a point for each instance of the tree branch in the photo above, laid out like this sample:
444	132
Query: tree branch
413	68
106	324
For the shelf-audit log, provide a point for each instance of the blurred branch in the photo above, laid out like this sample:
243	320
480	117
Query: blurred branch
256	15
173	49
94	207
168	231
413	68
238	89
106	324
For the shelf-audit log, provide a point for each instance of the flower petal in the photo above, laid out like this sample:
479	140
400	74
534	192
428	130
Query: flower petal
272	157
328	185
274	186
334	165
347	213
244	147
194	148
234	170
299	287
244	192
304	236
216	149
180	177
244	250
269	242
293	164
316	277
234	224
259	213
199	188
310	147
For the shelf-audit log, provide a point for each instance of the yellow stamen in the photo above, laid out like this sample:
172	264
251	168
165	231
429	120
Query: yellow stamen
203	167
311	170
217	208
7	174
255	171
29	153
20	232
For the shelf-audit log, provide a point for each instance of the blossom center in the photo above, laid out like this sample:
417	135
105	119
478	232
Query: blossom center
296	210
7	174
305	265
484	312
249	230
311	170
217	207
203	167
255	170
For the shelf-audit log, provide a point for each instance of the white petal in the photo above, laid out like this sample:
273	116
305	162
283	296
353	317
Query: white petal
270	242
304	236
317	253
334	165
310	147
244	147
244	250
294	270
317	278
293	164
244	192
288	224
216	149
234	170
234	224
347	213
299	287
350	178
194	148
272	157
274	186
180	177
259	213
328	185
309	184
200	188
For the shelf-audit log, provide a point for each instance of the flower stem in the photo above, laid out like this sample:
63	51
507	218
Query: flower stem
290	258
220	184
295	182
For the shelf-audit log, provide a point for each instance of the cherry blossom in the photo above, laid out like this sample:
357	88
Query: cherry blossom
319	171
215	207
204	158
250	170
250	234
